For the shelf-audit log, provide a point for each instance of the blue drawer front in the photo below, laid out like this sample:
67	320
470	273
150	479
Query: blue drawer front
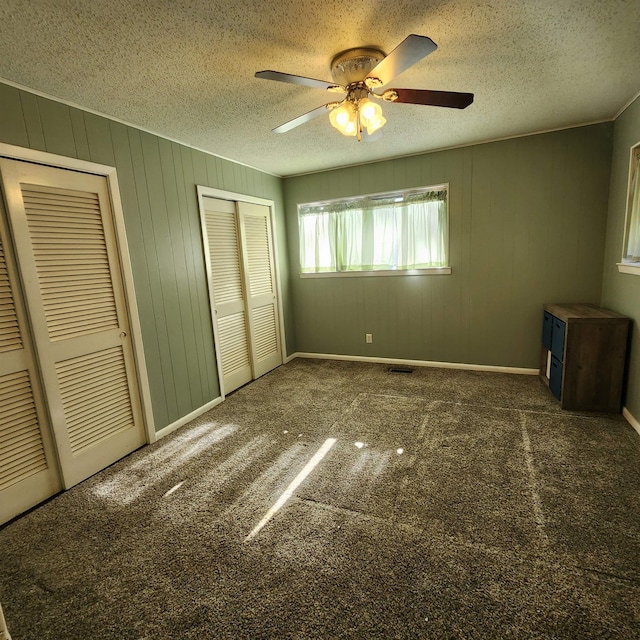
557	338
547	327
555	377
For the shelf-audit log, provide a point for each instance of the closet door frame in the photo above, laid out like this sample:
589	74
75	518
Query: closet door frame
13	152
220	194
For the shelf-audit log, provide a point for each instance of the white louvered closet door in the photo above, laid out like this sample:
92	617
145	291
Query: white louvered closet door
262	303
28	466
66	249
225	278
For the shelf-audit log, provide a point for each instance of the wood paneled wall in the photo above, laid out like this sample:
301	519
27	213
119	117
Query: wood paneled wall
157	181
527	226
621	291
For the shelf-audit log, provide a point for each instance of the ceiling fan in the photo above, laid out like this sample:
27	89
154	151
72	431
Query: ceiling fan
357	72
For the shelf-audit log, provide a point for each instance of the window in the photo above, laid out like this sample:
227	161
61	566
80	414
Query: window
631	251
382	234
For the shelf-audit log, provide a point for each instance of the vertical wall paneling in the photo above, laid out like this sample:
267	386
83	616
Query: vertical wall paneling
522	214
198	378
168	290
12	121
162	387
158	191
178	246
621	291
98	139
31	112
57	128
196	268
80	137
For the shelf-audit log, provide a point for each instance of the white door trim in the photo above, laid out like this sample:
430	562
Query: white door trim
53	160
210	192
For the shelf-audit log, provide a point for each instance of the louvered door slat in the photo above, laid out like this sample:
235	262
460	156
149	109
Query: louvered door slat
10	338
63	287
82	410
71	301
264	326
258	256
20	399
109	378
60	262
22	447
85	412
75	372
19	426
26	432
225	258
21	470
67	247
224	272
110	422
261	287
233	333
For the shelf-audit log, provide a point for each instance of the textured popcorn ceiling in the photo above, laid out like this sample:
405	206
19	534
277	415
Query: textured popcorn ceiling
184	68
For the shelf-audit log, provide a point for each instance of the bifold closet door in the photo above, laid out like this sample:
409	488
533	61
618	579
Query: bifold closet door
259	271
64	239
226	279
28	467
241	272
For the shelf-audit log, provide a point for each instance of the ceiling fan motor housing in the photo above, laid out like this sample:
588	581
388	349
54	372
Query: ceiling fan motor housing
354	65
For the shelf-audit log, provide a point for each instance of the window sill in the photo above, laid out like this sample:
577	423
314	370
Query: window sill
628	267
441	271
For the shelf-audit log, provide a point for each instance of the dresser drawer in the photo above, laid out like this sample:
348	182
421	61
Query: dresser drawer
557	338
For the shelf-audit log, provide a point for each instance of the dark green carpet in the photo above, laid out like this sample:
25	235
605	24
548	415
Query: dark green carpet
448	504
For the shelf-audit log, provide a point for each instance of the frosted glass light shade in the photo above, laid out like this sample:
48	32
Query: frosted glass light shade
344	119
371	115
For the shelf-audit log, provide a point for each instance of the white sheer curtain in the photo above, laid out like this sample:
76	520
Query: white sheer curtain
318	242
350	240
633	241
381	234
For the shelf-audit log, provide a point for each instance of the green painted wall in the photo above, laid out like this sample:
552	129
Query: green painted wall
157	181
527	226
621	291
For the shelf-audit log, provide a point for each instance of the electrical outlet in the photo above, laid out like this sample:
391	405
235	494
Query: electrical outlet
368	338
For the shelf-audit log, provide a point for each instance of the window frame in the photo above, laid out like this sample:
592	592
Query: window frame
380	272
625	265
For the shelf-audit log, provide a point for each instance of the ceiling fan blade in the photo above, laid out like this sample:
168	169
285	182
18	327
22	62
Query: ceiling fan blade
287	77
408	52
305	117
434	98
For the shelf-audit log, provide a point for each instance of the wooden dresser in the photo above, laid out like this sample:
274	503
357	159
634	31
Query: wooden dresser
583	356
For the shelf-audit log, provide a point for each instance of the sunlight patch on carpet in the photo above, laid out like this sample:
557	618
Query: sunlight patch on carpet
128	484
295	483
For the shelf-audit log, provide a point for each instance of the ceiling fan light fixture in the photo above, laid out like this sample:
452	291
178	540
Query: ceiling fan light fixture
357	72
371	115
345	119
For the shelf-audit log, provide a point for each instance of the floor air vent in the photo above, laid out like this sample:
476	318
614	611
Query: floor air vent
400	370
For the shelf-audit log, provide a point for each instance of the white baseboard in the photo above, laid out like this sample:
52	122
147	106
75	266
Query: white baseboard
293	356
419	363
630	419
188	418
